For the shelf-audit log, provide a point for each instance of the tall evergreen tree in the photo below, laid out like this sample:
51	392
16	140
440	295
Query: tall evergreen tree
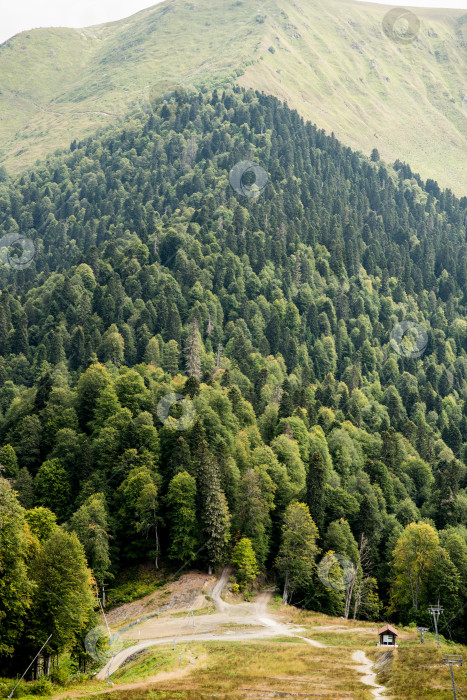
315	481
213	509
193	351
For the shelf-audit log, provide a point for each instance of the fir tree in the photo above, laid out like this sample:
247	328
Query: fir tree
193	351
213	510
315	481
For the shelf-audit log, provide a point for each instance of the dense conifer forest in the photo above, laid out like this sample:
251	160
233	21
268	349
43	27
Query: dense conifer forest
191	376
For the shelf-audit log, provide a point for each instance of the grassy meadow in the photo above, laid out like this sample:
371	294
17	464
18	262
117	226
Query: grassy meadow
281	667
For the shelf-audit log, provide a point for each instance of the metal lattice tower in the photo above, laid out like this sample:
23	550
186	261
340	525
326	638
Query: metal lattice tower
453	661
436	611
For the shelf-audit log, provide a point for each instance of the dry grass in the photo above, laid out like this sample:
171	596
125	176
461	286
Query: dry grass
286	667
417	672
259	669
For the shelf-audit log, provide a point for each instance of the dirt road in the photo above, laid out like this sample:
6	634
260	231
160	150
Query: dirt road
369	676
164	629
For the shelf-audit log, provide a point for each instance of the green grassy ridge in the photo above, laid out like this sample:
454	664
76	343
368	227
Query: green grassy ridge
60	84
343	73
330	61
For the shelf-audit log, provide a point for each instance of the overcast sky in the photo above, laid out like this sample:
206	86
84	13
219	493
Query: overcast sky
18	15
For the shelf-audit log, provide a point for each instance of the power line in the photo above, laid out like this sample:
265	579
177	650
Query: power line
46	642
110	642
453	617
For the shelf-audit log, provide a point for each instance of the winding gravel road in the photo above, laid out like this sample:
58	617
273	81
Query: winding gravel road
166	630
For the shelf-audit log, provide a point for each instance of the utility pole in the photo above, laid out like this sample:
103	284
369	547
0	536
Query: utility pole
436	611
453	661
422	631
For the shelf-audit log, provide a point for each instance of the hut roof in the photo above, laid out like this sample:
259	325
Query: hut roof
388	628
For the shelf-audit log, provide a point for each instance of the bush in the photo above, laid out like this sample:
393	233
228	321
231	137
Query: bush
7	686
80	677
59	676
235	588
129	591
41	687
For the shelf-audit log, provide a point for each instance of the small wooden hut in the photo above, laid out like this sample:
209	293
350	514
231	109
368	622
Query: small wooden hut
387	636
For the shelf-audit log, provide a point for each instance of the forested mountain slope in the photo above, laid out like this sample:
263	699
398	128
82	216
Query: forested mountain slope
303	430
330	60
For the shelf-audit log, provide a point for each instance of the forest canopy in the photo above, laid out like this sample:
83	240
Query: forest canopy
193	376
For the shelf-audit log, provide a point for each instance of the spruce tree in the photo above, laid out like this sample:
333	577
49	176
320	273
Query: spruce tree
315	481
212	507
24	488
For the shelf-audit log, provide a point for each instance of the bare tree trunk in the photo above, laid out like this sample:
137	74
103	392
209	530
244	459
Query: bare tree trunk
357	599
412	590
157	546
363	557
348	596
417	591
361	575
286	587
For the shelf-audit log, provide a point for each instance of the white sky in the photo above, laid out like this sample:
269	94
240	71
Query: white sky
19	15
